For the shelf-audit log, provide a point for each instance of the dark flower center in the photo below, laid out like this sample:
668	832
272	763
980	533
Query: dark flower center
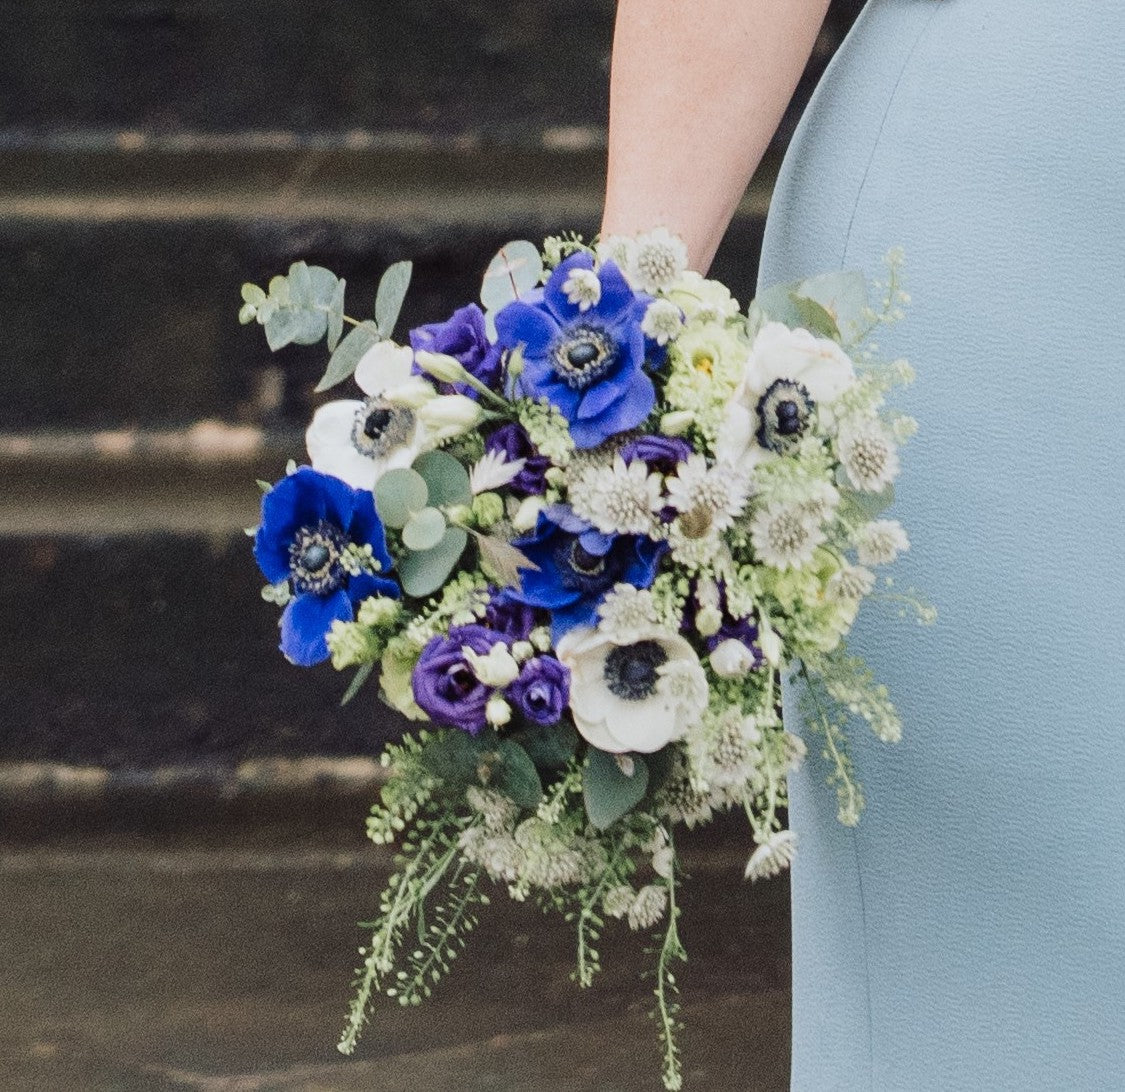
460	682
583	355
314	558
631	671
783	413
583	561
380	427
538	698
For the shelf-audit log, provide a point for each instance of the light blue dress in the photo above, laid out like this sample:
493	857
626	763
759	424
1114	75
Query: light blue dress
970	933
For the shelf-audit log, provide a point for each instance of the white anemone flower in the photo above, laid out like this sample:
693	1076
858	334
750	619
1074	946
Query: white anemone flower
638	696
787	374
358	441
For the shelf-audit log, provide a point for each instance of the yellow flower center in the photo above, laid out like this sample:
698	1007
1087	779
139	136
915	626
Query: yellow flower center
703	363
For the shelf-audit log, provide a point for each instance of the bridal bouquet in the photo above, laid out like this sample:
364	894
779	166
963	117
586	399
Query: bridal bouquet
579	531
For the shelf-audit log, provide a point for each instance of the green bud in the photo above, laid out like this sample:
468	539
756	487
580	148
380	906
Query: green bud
488	508
379	612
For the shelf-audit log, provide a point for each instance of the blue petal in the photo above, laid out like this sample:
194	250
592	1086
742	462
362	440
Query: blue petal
306	621
594	542
616	293
598	399
627	412
366	528
366	585
271	551
339	500
565	399
561	515
641	570
519	322
582	613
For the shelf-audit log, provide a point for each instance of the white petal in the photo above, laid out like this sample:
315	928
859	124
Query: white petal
330	447
384	365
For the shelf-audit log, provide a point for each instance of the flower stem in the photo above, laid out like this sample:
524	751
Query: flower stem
666	989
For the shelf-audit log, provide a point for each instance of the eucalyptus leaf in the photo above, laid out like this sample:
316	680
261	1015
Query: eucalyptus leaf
322	286
775	304
347	354
398	495
422	573
815	318
516	269
313	325
390	294
869	505
549	748
517	777
283	327
251	293
447	479
300	285
454	757
844	296
363	673
424	529
609	793
336	316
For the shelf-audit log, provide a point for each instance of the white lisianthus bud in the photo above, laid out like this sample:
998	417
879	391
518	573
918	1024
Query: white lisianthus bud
497	712
555	476
662	861
496	668
450	415
540	637
677	422
413	394
770	644
708	621
444	368
527	515
522	651
731	659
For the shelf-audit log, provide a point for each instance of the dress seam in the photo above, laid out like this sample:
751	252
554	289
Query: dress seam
879	134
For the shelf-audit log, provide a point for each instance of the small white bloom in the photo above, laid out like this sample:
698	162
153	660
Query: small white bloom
851	582
522	651
662	322
627	612
648	907
770	643
496	668
677	422
493	470
618	499
663	860
497	711
618	249
731	659
714	495
582	288
702	300
450	415
868	455
796	751
497	810
632	696
618	901
784	536
772	856
881	541
527	515
660	257
903	427
708	621
695	543
540	637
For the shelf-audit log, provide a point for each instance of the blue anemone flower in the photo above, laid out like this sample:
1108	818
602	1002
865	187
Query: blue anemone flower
309	520
578	565
588	364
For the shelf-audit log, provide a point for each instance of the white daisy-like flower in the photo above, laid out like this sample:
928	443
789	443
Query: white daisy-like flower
493	470
495	851
772	856
819	498
618	901
627	612
662	322
880	542
693	546
618	249
660	258
680	801
618	499
851	582
701	299
582	288
785	536
713	495
787	374
358	441
648	907
632	696
868	454
724	751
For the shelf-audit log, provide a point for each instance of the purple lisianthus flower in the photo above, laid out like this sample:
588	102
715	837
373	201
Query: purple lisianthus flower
744	630
508	617
577	565
445	687
661	453
588	364
542	690
308	521
512	439
462	336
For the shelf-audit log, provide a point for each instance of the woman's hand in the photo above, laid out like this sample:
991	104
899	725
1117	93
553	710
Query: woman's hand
697	90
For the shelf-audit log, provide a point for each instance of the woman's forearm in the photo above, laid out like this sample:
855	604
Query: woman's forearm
697	88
